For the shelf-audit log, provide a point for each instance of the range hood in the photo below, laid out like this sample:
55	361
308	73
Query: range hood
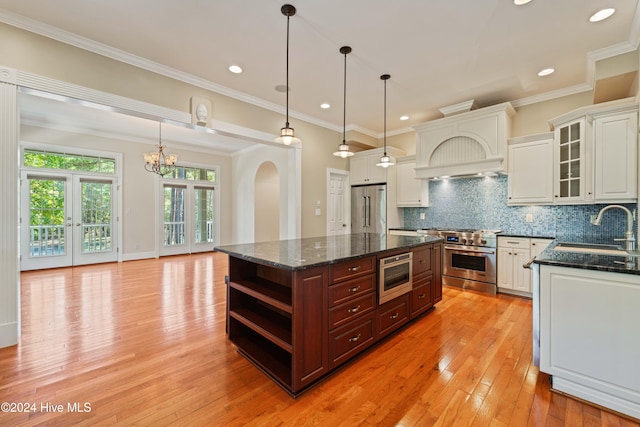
464	144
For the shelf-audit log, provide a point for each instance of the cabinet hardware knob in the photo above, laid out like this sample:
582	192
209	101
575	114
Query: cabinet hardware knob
354	289
356	268
354	309
422	296
394	316
356	338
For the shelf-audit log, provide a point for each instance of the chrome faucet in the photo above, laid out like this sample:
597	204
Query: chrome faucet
629	240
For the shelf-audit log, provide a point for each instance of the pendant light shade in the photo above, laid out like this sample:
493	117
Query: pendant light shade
343	149
287	136
385	160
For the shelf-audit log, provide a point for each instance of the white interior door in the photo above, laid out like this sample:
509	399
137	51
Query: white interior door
338	203
188	218
66	219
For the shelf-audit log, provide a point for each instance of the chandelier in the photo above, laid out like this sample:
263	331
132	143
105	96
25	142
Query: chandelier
159	162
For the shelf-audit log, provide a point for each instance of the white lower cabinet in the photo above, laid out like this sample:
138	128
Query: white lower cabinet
513	253
589	339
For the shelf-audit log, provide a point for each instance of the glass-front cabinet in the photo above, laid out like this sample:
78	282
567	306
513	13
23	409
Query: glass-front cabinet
572	174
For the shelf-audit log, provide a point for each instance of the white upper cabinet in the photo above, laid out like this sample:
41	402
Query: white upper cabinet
412	192
530	170
616	138
363	169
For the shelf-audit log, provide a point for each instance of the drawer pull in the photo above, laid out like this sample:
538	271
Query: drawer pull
353	269
356	338
422	296
394	316
354	289
354	309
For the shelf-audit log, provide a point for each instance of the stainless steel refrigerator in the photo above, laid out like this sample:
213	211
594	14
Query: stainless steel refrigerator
369	209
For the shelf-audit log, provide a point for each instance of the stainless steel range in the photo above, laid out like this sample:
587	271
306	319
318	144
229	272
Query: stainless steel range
469	259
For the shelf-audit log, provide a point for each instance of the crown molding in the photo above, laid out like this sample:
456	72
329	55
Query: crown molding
145	64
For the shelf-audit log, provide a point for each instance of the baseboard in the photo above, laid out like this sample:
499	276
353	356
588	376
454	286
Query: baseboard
138	255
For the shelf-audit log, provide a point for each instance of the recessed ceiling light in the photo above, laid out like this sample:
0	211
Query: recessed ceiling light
602	14
235	69
404	117
546	72
520	2
325	105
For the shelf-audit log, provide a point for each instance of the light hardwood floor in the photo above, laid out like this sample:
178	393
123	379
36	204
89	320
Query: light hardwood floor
143	343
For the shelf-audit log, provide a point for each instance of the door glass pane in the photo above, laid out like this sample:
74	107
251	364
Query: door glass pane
174	218
575	131
564	170
575	187
564	135
96	217
564	189
575	150
204	215
46	217
564	153
575	169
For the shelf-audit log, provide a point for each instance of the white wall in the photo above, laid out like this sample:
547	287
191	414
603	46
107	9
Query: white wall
267	203
245	167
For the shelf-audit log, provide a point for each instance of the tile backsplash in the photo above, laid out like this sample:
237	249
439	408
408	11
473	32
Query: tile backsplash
481	203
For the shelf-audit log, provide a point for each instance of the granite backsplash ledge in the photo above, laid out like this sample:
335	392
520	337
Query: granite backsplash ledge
481	203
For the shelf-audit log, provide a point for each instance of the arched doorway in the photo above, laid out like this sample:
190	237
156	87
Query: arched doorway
267	203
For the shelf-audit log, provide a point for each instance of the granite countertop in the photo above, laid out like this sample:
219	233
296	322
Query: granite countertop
299	254
589	261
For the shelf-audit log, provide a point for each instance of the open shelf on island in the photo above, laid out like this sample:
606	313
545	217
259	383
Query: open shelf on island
267	291
272	327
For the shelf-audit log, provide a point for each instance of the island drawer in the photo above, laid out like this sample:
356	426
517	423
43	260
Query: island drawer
421	297
344	313
422	260
392	315
346	342
352	268
345	291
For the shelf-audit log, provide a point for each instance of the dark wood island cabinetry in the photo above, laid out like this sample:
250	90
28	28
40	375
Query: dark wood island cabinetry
300	308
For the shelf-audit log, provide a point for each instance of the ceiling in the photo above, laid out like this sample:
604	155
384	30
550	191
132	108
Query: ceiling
438	52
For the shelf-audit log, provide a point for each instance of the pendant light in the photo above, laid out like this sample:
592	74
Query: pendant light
385	160
343	149
287	136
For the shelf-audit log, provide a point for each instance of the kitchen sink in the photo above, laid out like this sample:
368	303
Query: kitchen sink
591	248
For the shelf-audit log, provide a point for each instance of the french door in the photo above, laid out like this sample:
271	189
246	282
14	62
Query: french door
67	219
188	218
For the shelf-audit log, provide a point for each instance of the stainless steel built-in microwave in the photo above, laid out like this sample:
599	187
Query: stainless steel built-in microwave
394	276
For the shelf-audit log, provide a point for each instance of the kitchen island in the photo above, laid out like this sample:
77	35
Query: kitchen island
298	309
586	308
